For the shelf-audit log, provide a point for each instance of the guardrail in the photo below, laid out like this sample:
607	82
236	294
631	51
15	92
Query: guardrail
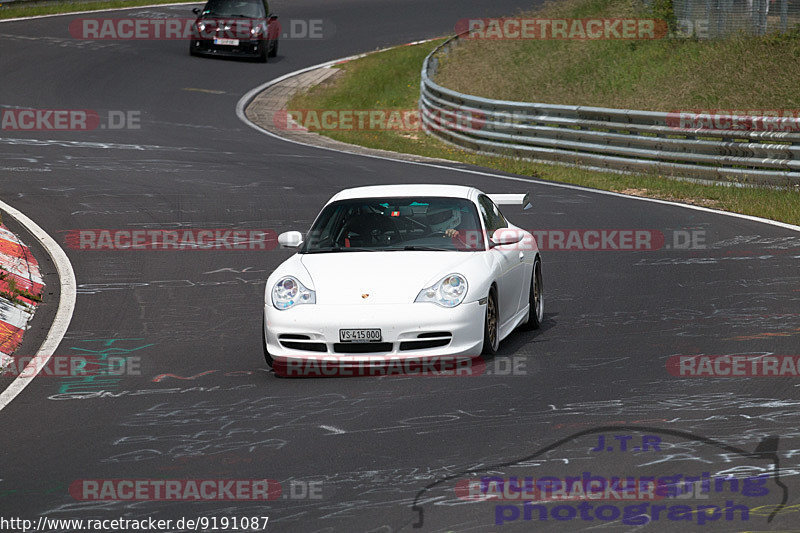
616	139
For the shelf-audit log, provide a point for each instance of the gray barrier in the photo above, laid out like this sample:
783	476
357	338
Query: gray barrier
759	150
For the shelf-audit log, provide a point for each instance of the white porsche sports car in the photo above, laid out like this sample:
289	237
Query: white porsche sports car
403	271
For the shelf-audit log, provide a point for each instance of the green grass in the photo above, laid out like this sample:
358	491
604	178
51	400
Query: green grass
391	80
13	291
738	73
30	9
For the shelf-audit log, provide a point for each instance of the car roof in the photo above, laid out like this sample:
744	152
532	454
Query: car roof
406	190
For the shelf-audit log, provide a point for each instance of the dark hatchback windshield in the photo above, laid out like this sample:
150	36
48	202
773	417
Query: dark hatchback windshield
234	9
393	224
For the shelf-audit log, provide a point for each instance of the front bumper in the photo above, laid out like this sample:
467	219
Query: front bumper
245	48
408	331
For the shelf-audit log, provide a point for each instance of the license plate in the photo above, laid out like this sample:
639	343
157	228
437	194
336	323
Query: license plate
227	42
360	335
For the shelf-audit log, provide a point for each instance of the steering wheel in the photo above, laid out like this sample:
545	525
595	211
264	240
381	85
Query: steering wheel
371	227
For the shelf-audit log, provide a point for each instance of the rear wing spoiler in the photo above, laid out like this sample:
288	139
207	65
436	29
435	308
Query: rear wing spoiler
511	199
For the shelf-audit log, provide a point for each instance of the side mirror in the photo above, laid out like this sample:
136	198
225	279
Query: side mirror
290	239
272	17
506	236
196	10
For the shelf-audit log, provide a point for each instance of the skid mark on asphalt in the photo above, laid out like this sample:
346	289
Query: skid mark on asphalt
706	260
100	145
207	91
97	288
766	335
65	42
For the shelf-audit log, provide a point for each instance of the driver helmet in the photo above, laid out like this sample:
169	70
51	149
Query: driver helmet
440	220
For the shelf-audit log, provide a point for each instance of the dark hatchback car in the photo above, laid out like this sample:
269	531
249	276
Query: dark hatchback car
240	28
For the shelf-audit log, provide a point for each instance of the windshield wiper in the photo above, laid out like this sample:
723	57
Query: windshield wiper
335	250
424	249
224	16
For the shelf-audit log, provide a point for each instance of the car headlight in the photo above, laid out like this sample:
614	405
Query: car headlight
447	292
201	26
256	30
288	292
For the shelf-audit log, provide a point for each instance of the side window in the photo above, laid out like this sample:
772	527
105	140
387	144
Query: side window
492	217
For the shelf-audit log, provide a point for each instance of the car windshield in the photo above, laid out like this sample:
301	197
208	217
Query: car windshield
396	224
234	8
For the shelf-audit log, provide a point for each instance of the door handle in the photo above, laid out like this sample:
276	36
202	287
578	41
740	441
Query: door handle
521	256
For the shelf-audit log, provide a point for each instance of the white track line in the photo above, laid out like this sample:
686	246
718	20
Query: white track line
247	98
96	11
66	306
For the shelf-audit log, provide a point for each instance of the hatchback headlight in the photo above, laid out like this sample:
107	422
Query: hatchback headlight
288	292
447	292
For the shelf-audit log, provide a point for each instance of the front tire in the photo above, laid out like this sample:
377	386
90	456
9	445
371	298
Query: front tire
536	298
273	50
491	332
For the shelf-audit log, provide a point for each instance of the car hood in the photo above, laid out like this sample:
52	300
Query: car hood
386	277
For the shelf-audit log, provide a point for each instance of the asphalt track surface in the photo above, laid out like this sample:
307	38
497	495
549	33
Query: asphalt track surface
376	446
